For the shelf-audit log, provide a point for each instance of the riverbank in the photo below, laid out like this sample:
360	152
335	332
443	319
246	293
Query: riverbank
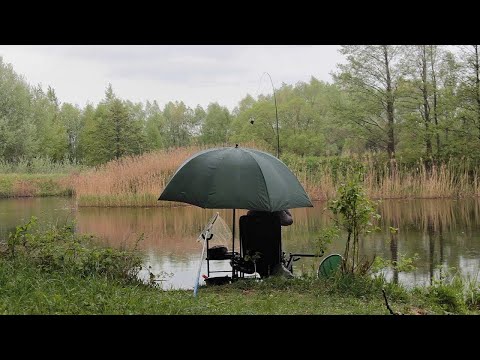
34	185
60	272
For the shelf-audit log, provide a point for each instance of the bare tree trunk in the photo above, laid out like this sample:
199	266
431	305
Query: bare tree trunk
426	107
477	87
347	249
390	107
433	60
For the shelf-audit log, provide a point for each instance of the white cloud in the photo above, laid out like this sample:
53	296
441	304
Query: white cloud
190	73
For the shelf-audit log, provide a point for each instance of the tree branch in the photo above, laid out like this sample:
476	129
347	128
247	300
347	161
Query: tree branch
388	306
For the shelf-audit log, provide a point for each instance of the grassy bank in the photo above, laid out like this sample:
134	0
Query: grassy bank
138	181
26	185
60	272
25	290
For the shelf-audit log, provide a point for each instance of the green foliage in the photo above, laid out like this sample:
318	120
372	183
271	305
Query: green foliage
340	168
39	165
326	236
404	264
60	249
356	214
17	126
449	298
453	292
472	291
370	77
71	117
154	126
179	123
21	236
216	126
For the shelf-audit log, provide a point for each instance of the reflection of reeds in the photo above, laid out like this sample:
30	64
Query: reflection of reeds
445	217
173	229
444	214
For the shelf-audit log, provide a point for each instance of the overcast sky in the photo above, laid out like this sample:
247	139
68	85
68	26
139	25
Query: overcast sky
194	74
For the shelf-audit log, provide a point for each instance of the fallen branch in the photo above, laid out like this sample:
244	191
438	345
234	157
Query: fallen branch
388	306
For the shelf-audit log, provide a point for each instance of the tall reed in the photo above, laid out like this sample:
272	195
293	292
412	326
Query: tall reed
130	181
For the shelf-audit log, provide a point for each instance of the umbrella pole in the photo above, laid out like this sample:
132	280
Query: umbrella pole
233	242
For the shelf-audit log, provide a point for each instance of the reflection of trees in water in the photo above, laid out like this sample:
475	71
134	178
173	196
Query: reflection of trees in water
431	243
394	247
440	231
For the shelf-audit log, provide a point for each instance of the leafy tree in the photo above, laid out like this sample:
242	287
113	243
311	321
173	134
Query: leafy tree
87	143
154	126
469	96
215	129
370	76
179	124
70	117
17	128
356	214
113	131
52	137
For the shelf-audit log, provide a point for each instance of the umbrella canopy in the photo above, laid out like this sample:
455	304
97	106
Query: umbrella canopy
236	178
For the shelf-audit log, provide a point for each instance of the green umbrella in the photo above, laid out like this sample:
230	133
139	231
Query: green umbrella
236	178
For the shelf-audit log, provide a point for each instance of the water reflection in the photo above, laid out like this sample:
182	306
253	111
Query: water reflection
441	232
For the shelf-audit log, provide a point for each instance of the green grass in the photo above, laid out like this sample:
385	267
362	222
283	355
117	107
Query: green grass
28	291
26	185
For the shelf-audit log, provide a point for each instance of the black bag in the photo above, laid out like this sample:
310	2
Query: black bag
217	252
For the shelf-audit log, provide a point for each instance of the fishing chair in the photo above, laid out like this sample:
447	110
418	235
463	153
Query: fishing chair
260	244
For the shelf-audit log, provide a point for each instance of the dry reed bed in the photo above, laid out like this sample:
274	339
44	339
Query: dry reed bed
439	182
130	181
138	181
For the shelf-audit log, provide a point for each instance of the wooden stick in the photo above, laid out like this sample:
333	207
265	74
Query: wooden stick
388	306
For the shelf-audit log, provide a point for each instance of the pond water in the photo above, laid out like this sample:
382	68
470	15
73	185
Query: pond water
441	232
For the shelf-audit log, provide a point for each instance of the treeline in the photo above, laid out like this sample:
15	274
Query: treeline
410	103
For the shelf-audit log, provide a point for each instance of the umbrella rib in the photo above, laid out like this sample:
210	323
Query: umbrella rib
212	183
263	177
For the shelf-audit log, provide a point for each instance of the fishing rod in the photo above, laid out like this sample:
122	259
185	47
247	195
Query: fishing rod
276	113
205	235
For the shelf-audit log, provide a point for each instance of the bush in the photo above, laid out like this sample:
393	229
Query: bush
447	297
59	248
